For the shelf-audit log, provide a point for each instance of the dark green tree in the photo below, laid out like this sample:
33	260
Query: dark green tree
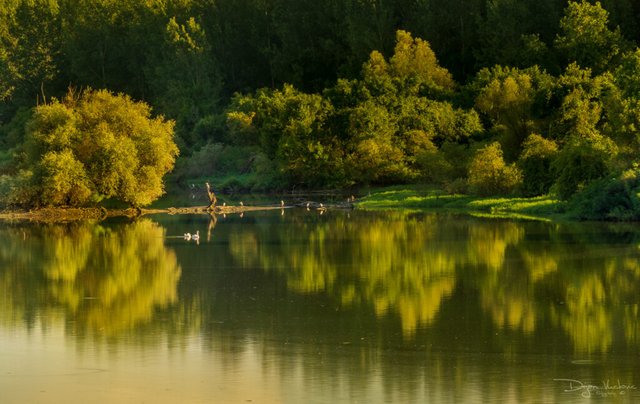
535	163
585	37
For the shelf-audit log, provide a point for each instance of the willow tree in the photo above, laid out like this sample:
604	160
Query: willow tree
96	145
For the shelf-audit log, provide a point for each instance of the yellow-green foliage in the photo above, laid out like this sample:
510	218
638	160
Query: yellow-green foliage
97	145
490	175
414	59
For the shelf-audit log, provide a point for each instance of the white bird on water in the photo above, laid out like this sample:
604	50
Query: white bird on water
189	236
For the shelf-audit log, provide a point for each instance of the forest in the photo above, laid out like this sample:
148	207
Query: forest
486	97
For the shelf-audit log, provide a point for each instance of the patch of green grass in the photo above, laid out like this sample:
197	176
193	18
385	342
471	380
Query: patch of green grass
425	198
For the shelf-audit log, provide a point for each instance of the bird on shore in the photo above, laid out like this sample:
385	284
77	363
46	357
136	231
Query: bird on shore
282	203
241	204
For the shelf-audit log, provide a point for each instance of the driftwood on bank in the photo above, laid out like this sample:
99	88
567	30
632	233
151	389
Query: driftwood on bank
73	214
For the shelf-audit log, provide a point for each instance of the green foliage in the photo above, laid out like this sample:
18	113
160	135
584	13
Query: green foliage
623	105
535	162
434	167
580	162
608	199
416	68
185	81
585	37
67	183
515	101
397	117
97	145
287	124
489	175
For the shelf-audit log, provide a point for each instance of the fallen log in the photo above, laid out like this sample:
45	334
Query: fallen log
74	214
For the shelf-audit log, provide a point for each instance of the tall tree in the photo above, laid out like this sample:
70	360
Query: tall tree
585	37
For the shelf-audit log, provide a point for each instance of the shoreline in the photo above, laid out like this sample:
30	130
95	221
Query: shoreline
66	214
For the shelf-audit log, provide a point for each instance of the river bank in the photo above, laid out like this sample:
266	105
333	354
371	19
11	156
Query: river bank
427	198
66	214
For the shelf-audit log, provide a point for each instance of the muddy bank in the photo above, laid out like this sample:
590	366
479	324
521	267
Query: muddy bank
72	214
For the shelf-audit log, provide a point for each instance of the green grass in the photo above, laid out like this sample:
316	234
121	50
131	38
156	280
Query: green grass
428	198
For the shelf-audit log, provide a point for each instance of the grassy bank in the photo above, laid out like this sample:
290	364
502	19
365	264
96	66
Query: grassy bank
426	198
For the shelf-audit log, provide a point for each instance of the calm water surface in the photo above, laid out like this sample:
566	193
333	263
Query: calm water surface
298	307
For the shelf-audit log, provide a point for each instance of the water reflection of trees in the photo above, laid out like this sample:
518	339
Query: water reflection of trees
106	279
526	275
412	269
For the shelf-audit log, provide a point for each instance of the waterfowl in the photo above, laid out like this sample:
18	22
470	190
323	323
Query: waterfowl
196	236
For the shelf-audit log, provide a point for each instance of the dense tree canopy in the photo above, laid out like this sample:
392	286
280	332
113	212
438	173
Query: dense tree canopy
92	146
323	93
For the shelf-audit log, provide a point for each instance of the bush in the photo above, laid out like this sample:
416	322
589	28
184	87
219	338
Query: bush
433	165
535	163
579	163
489	175
608	199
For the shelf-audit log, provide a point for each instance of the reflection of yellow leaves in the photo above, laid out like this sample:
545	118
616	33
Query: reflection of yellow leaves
421	310
511	311
632	324
398	265
142	275
539	264
488	243
69	252
587	318
126	273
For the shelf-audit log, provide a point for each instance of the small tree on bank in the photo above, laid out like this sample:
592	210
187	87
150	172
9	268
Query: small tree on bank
490	175
93	146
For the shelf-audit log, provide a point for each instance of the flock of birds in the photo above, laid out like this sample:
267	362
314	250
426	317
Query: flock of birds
309	205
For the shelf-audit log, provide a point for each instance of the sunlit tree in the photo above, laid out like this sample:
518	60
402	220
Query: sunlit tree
490	175
97	145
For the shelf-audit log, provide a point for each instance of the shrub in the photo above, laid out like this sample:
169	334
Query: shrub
489	175
581	162
535	163
608	199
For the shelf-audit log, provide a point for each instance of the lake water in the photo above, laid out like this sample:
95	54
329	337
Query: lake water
302	307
